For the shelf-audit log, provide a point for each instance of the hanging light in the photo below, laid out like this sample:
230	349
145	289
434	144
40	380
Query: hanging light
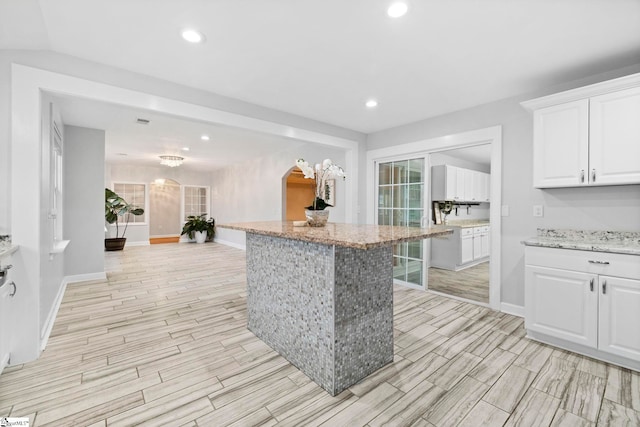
171	161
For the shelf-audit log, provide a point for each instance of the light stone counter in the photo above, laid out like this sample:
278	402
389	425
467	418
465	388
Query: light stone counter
323	297
597	241
467	223
358	236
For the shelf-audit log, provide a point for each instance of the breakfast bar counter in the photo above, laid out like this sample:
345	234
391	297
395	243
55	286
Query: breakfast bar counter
322	297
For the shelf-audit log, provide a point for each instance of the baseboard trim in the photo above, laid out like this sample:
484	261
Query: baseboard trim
232	244
51	318
85	277
516	310
137	244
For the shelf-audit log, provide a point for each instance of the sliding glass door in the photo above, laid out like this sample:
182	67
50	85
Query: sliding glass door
401	196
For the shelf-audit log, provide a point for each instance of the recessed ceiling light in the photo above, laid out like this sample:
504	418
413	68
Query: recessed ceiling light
185	148
397	9
193	36
204	137
372	103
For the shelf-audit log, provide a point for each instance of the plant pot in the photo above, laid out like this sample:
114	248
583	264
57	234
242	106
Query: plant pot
114	243
316	218
200	236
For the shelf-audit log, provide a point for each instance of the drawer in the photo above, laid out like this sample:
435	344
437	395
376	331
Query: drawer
466	231
481	230
604	263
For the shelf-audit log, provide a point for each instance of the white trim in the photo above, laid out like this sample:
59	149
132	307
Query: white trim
515	310
51	318
142	243
27	86
491	135
621	83
232	244
85	277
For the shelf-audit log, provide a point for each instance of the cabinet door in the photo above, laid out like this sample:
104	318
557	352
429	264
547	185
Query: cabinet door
562	304
477	247
484	238
561	145
619	325
469	185
614	148
466	249
460	183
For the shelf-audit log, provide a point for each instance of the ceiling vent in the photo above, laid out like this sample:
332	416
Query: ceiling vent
142	121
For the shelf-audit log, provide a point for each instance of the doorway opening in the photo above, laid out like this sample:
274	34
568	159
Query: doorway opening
164	211
478	217
299	192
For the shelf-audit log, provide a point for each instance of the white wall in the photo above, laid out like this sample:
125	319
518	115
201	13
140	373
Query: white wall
138	234
83	201
588	208
252	191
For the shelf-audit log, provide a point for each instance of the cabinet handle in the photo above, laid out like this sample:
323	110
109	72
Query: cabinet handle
593	175
582	175
598	262
604	287
591	285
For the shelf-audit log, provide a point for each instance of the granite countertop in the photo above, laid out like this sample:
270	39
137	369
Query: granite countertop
359	236
619	242
467	223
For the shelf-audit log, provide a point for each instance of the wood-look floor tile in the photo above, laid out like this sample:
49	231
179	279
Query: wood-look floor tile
485	415
536	409
623	387
613	414
555	376
454	370
509	389
567	419
365	408
184	322
491	367
410	407
584	395
453	406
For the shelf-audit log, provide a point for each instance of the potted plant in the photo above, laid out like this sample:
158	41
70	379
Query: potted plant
199	227
316	214
114	208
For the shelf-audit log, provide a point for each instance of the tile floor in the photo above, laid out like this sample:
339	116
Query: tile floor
163	342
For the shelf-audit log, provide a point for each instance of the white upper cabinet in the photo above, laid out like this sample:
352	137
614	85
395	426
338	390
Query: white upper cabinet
614	146
459	184
561	145
588	136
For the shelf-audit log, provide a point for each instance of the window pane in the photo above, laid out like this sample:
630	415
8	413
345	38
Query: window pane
400	250
385	174
400	172
384	216
415	196
414	272
416	169
414	249
415	218
400	268
384	196
400	196
399	218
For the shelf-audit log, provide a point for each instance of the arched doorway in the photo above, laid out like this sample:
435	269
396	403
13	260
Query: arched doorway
299	192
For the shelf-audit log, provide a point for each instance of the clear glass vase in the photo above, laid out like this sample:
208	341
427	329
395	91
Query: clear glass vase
316	218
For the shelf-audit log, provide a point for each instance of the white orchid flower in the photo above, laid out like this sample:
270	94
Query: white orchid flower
306	169
326	164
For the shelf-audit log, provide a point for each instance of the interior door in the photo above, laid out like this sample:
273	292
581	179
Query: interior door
401	199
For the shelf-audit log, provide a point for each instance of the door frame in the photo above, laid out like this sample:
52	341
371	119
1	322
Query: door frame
491	135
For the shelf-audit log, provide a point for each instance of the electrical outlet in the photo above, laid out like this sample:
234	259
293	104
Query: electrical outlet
538	210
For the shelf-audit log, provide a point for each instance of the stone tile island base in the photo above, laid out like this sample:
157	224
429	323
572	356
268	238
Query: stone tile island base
327	309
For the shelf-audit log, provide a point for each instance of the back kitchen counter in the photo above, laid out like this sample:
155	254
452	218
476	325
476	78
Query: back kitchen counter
323	297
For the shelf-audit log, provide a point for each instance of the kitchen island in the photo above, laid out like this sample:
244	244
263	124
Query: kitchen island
323	297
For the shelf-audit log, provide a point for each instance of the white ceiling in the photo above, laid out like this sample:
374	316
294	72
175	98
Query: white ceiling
324	59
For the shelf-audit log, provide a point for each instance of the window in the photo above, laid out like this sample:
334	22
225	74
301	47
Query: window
135	195
195	201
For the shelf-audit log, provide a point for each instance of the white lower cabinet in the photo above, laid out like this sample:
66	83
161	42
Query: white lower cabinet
466	247
577	300
619	316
